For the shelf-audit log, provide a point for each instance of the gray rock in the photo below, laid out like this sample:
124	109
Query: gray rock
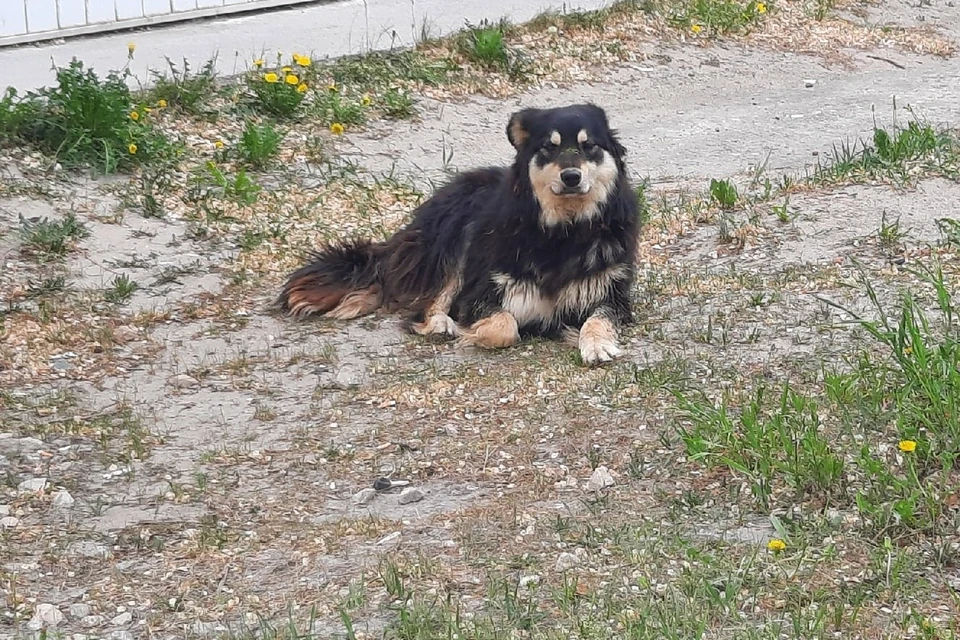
12	446
8	522
601	479
45	615
91	621
4	510
79	610
62	500
364	496
567	561
410	495
124	618
121	634
32	485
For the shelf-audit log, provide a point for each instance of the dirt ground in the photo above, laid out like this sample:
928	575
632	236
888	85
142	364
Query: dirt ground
206	470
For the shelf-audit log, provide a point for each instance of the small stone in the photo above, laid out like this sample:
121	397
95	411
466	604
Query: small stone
809	84
8	522
364	496
122	619
184	381
79	610
4	510
567	561
410	495
62	500
90	549
120	634
62	365
91	621
601	479
45	615
387	539
32	485
122	335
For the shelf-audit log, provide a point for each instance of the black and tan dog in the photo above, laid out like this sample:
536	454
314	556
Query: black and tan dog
544	247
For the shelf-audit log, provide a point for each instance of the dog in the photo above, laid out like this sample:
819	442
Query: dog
545	247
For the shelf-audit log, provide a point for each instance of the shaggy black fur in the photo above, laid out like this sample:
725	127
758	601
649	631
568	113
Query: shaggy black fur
488	222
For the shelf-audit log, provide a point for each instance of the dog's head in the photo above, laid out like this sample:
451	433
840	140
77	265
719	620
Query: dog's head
572	158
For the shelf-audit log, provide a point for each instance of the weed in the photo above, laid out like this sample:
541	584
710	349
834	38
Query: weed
396	103
724	193
239	188
183	90
333	107
122	287
890	234
84	121
486	44
259	144
719	17
280	90
384	70
51	237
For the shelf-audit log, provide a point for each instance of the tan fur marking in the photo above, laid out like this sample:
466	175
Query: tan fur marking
582	136
356	304
598	182
438	322
518	134
493	332
555	138
598	340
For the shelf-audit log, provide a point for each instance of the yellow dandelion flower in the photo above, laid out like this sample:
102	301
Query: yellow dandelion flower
336	129
258	63
907	350
907	446
776	545
303	61
696	28
271	77
366	100
332	87
147	110
761	7
134	115
287	69
162	103
292	79
132	148
131	47
302	88
218	144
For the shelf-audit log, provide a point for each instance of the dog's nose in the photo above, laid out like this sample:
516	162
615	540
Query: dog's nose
570	177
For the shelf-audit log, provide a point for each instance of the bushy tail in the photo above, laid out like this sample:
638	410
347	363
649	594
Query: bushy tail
342	281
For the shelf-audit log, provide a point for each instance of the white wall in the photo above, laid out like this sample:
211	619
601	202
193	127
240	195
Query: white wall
33	20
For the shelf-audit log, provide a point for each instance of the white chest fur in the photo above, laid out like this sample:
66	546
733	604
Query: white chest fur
531	306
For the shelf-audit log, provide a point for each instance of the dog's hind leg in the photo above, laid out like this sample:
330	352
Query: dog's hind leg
437	321
496	331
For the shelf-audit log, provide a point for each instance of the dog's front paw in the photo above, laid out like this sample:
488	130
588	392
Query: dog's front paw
493	332
439	324
598	341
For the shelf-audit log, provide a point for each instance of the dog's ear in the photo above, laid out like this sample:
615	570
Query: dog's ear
616	147
518	128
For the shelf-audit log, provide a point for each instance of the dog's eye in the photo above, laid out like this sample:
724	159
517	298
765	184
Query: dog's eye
548	147
589	146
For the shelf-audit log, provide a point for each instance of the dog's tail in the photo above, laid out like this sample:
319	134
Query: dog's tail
343	281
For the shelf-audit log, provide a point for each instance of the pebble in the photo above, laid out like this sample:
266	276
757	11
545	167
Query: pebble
410	495
601	479
91	621
387	539
63	500
567	561
121	634
809	84
79	610
45	615
122	619
4	510
8	522
89	549
364	496
185	381
20	445
32	485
